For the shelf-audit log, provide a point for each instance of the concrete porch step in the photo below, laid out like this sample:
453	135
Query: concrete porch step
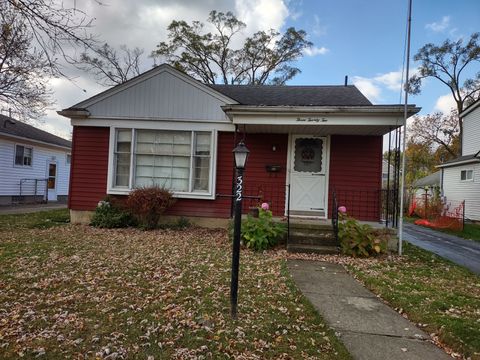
311	225
320	239
312	249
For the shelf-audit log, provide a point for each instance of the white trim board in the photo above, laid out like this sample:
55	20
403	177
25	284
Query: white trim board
156	125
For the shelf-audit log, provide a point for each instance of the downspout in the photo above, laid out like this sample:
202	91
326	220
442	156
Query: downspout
405	115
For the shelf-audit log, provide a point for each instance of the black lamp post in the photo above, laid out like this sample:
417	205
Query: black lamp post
241	155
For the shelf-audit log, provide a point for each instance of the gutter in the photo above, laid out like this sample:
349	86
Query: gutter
371	109
469	161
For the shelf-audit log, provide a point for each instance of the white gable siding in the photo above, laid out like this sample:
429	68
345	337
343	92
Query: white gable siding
163	96
10	174
471	132
457	190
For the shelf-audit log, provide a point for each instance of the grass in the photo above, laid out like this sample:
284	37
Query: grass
37	220
469	232
80	292
441	296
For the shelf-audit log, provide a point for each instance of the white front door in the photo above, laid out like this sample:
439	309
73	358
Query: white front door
308	170
52	181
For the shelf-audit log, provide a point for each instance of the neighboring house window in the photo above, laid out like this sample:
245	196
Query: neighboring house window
177	160
466	175
23	155
69	159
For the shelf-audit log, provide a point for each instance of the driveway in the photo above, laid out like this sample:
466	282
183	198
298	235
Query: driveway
462	252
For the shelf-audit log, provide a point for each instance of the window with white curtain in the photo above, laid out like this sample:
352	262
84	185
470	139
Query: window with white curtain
123	147
177	160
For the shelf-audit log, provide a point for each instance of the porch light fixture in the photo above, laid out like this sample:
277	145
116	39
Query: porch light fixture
241	154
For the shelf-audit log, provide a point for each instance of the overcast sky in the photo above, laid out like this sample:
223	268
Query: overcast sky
363	39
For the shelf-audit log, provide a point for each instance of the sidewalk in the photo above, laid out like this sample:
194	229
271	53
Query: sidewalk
30	208
369	329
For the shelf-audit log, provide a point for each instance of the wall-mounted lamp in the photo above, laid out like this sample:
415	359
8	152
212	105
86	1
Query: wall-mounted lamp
274	148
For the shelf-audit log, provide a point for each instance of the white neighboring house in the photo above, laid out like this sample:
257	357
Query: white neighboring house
461	176
34	164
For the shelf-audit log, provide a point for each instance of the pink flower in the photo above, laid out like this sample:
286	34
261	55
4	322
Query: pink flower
342	209
265	206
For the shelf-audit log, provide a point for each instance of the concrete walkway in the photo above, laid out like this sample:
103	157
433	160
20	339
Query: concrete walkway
369	329
460	251
30	208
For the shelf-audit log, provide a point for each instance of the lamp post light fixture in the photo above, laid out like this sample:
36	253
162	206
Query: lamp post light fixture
241	154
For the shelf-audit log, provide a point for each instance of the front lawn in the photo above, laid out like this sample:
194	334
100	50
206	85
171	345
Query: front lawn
80	292
440	296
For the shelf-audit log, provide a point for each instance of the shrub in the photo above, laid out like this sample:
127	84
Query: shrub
360	240
263	232
108	214
147	204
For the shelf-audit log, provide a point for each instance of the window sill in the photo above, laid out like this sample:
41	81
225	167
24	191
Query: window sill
178	195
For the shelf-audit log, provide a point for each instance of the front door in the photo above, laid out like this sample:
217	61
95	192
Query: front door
308	175
52	181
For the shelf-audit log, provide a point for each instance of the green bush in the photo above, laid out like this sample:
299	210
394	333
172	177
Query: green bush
261	233
147	204
110	215
360	240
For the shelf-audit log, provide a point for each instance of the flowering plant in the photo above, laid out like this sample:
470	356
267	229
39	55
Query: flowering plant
359	239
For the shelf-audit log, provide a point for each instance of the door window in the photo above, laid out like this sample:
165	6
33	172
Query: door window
308	155
52	175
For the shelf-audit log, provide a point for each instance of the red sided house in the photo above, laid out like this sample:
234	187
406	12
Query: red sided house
166	128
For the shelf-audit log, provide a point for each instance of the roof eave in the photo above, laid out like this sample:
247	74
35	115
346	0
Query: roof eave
456	163
372	109
73	113
470	108
24	138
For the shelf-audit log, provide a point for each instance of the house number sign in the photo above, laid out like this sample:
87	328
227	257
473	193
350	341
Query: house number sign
312	119
239	189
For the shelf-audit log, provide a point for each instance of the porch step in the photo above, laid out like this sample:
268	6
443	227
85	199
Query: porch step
312	249
310	225
312	237
324	237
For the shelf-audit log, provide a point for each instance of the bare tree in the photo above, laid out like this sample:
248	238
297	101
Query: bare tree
448	63
109	67
55	28
266	57
23	70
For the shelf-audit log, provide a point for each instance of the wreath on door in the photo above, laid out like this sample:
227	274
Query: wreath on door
308	154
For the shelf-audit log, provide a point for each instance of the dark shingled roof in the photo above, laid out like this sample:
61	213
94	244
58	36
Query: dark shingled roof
23	130
275	95
429	180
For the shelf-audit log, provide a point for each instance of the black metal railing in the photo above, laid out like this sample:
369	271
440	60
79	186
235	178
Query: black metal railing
273	194
335	215
362	204
37	189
